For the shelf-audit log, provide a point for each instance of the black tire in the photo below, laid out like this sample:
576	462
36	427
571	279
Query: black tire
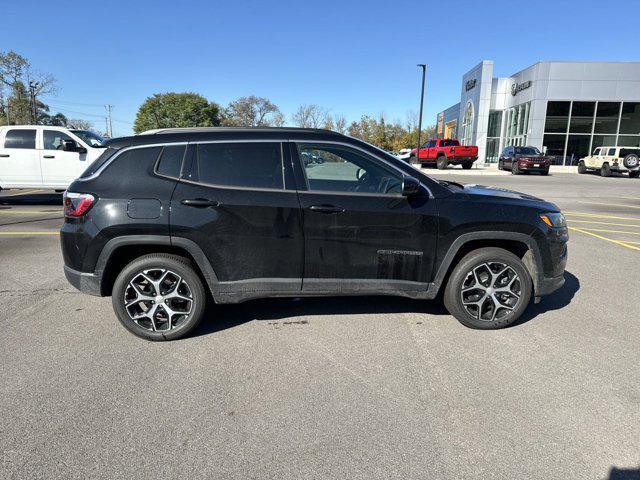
582	168
514	169
634	173
631	161
477	259
413	159
467	165
160	261
544	172
500	165
441	162
605	170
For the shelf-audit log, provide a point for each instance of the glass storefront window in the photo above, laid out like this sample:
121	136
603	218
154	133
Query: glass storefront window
467	125
553	145
557	117
577	148
603	141
630	121
629	141
582	117
493	147
607	117
495	122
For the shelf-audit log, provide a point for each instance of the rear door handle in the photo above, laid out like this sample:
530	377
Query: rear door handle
4	155
49	156
200	202
326	209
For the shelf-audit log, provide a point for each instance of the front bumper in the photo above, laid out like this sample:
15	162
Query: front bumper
549	285
530	167
83	281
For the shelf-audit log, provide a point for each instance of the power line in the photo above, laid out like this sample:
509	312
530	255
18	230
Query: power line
57	100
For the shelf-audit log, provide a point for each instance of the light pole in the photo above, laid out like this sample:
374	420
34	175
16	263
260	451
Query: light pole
33	86
424	68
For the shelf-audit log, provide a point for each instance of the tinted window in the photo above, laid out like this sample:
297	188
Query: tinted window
630	121
557	117
342	169
249	165
52	139
20	139
527	151
98	162
612	152
170	162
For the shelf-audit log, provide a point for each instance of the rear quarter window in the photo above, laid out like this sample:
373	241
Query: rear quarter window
170	161
99	162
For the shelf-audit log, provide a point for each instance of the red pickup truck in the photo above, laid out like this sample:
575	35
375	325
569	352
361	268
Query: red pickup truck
445	151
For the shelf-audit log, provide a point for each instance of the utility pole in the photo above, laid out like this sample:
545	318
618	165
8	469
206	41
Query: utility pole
108	106
424	68
33	87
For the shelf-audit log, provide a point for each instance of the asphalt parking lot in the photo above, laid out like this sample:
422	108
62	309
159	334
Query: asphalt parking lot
316	388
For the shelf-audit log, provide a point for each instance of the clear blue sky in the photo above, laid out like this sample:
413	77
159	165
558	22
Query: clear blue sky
351	57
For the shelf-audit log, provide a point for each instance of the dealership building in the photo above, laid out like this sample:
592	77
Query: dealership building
566	109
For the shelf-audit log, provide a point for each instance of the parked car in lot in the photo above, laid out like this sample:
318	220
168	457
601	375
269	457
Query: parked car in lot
445	151
612	159
45	157
524	160
404	153
162	221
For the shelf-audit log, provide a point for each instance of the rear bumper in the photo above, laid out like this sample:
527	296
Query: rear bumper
83	281
459	160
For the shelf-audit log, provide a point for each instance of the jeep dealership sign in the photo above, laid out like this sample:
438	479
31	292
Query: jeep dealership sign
518	87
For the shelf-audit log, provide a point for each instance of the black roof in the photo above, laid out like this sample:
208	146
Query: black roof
194	134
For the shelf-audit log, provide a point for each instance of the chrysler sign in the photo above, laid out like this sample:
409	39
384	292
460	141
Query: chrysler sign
518	87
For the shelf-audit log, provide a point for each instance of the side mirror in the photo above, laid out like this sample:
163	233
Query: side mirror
71	146
410	186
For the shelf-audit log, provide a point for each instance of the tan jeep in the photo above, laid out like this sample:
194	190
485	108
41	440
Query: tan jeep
612	159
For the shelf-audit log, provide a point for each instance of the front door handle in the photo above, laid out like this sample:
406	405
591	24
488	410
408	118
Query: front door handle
4	155
200	202
326	209
49	156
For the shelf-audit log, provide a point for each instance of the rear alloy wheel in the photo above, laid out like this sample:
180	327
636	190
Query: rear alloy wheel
582	168
490	288
442	162
159	297
605	170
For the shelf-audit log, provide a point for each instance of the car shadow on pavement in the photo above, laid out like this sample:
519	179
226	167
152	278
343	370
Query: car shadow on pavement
557	300
222	317
32	199
624	474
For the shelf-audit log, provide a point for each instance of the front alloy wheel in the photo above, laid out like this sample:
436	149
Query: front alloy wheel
490	291
489	288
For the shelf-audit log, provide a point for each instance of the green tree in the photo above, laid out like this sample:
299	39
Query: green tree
167	110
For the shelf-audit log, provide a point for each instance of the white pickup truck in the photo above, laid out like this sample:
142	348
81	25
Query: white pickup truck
45	157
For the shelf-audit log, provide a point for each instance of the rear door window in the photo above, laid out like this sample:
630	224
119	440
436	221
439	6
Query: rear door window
170	162
612	152
241	165
20	138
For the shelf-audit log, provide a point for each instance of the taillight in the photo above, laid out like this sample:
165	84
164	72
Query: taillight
77	204
453	149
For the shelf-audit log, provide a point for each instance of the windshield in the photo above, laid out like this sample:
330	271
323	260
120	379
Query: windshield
90	138
527	151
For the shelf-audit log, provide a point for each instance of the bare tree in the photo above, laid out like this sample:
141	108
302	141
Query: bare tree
340	124
80	124
253	111
310	116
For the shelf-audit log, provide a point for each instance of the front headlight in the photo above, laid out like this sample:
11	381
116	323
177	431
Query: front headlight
555	220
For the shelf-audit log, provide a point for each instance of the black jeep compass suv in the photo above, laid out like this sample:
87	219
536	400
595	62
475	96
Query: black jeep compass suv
163	220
